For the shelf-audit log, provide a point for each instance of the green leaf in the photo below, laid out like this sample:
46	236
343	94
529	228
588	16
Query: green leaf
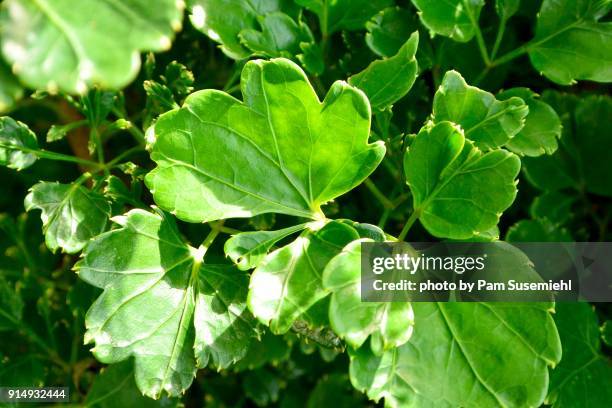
456	19
58	132
389	30
10	88
334	390
266	158
355	320
223	20
248	249
71	214
280	36
288	282
224	326
386	81
312	58
542	125
343	14
485	120
115	386
449	361
11	306
152	290
584	158
539	230
457	190
269	349
53	45
553	205
506	8
15	133
570	43
261	386
583	376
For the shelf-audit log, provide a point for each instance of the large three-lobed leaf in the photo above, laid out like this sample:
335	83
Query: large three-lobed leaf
162	304
281	150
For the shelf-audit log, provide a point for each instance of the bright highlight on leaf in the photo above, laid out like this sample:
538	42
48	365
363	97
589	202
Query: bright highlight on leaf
221	158
68	46
153	288
458	191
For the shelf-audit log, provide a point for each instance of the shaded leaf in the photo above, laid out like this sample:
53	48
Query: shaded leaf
280	36
10	88
538	230
456	19
71	214
570	43
11	306
223	20
553	205
388	80
457	190
582	378
506	8
449	362
542	125
266	158
389	30
344	14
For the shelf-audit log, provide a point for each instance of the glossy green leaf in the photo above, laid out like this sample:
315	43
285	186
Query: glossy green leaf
486	121
582	379
506	8
542	126
114	386
71	214
15	133
224	20
344	14
570	43
280	36
553	205
152	290
389	30
10	88
456	19
219	158
65	46
388	80
288	282
584	158
248	249
457	190
355	320
460	355
538	230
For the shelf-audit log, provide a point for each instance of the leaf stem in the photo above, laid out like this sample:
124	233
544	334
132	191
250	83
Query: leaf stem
123	155
499	37
411	220
479	38
378	194
45	154
215	229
